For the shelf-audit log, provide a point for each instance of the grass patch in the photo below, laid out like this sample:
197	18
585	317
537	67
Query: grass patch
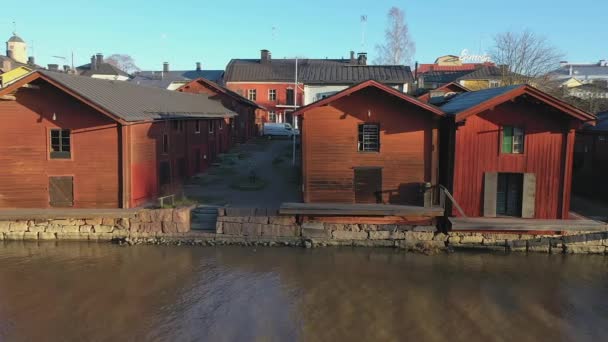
181	202
245	184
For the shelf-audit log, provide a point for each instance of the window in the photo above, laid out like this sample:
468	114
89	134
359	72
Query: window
60	144
369	138
165	143
272	116
272	94
494	84
289	96
252	94
210	126
512	140
220	124
175	125
197	126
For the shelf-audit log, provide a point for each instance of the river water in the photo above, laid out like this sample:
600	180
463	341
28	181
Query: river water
103	292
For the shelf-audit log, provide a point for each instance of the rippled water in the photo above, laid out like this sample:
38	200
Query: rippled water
98	292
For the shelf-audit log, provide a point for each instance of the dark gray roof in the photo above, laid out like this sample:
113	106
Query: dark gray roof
443	76
15	39
161	79
131	102
488	72
464	101
601	123
315	71
102	69
581	71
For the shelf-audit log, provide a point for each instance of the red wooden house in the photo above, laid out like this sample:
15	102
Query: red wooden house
508	152
369	143
244	124
74	141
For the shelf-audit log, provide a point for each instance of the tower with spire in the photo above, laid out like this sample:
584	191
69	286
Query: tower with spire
16	49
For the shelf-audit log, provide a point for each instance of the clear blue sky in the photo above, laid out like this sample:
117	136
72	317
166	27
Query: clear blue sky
212	32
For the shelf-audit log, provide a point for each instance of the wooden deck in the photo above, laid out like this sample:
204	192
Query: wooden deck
519	224
342	209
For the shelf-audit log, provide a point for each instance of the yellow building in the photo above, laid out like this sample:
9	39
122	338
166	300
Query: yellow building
12	75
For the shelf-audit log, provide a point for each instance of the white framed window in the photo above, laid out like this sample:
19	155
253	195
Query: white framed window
197	126
512	140
221	124
494	83
252	94
211	126
272	116
272	94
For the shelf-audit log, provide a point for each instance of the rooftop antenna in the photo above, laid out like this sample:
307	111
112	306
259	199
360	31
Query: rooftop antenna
14	28
363	25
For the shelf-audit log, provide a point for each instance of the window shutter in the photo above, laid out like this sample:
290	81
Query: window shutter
529	195
507	139
489	194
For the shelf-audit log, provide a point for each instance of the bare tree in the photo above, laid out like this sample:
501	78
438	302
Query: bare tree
123	62
398	48
527	57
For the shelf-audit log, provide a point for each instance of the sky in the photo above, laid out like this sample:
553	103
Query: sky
183	32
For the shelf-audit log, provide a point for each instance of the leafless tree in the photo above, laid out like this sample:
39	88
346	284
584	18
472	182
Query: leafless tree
528	57
123	62
398	48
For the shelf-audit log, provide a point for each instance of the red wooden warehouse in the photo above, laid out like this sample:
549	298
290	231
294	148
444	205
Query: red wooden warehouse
369	143
74	141
244	124
508	152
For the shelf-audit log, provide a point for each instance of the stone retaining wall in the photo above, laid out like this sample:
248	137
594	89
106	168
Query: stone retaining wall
118	225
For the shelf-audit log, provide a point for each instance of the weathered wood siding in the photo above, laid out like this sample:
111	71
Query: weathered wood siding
546	154
330	135
26	166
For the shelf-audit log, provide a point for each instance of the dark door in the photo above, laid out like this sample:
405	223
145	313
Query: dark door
368	185
61	191
509	192
197	161
289	97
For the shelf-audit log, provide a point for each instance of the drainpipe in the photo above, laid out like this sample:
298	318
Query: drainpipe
295	104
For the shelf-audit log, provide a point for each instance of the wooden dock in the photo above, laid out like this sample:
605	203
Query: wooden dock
520	224
342	209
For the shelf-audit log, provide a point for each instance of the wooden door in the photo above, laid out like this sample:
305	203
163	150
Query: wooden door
368	185
509	194
61	191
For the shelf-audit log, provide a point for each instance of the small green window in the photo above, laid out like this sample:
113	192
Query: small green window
512	140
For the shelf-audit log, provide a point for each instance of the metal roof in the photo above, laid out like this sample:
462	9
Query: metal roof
15	39
443	76
487	72
131	102
315	71
162	79
102	69
464	101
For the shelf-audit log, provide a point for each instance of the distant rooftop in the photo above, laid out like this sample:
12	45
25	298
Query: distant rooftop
464	101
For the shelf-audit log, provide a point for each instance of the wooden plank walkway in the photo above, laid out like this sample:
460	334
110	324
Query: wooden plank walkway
342	209
519	224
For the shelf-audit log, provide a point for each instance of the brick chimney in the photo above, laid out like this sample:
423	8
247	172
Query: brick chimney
165	66
265	57
99	58
198	66
362	58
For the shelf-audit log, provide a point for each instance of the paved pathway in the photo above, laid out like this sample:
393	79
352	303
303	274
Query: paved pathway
283	182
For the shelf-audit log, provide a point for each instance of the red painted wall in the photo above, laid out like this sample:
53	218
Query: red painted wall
26	166
478	151
330	135
262	88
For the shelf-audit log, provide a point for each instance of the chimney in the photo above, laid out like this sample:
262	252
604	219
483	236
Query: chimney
353	60
30	61
93	63
265	57
53	67
198	66
9	54
165	66
66	69
6	65
362	58
99	59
